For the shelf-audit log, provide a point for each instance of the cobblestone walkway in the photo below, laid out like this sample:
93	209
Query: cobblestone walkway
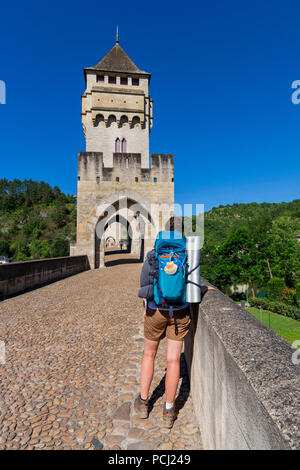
73	353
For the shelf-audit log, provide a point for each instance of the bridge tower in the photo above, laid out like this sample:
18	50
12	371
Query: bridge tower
120	194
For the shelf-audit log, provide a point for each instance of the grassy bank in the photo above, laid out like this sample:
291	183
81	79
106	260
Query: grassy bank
286	327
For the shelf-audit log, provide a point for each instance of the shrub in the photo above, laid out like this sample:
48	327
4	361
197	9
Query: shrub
238	296
298	293
39	249
59	215
288	296
59	247
276	307
274	287
20	250
4	248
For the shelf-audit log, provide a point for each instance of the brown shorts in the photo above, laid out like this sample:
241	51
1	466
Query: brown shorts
158	324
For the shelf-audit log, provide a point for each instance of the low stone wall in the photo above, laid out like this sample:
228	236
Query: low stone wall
16	278
245	387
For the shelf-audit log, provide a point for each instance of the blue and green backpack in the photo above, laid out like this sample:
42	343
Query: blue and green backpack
170	276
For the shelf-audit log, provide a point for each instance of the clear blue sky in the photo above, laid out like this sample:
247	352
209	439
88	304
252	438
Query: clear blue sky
221	84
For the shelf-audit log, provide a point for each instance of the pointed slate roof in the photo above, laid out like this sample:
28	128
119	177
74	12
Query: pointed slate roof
116	60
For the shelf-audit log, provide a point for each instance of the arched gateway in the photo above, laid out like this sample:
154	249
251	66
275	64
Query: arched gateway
119	195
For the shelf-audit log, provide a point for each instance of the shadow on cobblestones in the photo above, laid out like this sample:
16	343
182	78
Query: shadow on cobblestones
116	262
184	389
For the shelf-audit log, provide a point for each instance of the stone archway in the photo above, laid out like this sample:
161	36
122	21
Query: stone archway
145	217
132	213
119	229
110	241
100	236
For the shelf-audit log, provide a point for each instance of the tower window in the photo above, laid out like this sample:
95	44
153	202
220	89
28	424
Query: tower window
111	79
155	180
117	145
117	179
136	179
100	78
124	146
78	178
135	81
98	179
124	80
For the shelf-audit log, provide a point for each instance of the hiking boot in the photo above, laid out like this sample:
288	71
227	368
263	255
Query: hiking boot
141	407
169	416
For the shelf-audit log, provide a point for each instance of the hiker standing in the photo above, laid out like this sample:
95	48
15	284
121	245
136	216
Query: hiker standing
166	314
162	318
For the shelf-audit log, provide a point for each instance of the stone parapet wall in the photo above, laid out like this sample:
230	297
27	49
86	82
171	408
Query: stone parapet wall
126	166
96	181
245	387
16	278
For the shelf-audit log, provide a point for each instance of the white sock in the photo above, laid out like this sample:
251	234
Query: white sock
169	405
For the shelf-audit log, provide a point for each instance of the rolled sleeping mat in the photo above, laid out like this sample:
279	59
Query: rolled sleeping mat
193	289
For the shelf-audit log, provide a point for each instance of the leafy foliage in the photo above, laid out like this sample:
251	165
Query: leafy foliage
36	220
247	244
297	288
274	288
288	296
277	307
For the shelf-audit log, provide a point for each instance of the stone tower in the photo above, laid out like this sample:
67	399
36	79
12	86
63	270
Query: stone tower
117	188
117	108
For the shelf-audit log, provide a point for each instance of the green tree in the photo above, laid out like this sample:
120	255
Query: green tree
40	249
274	288
288	296
4	248
297	287
25	218
59	247
20	249
34	226
235	261
262	247
286	258
59	215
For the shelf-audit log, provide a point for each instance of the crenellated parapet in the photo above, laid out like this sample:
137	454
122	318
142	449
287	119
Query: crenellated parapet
126	169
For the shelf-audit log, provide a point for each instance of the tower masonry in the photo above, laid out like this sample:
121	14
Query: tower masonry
117	108
114	171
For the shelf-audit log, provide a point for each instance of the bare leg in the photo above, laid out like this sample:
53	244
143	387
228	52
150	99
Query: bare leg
174	349
147	368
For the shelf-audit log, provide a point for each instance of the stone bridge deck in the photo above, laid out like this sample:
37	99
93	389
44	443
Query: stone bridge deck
73	353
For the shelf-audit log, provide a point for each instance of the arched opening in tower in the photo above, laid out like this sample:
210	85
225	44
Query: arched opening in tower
119	233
